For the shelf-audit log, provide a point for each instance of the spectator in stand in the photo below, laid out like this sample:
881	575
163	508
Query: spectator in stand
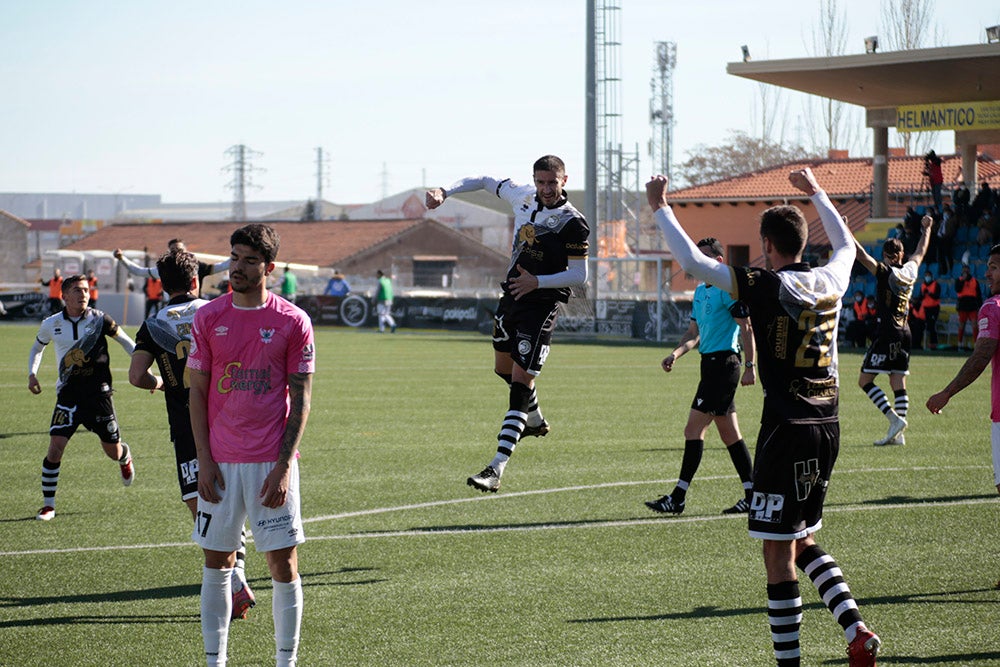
930	300
917	319
932	170
911	230
983	203
984	235
946	240
960	198
932	246
968	303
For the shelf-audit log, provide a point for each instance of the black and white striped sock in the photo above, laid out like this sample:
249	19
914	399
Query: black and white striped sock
826	576
784	615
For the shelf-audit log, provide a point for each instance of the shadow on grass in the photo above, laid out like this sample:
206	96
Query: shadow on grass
309	580
721	612
100	620
477	527
953	659
911	500
942	598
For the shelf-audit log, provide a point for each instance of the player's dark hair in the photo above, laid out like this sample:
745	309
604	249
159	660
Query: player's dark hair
786	228
713	243
75	278
174	242
892	247
177	268
261	238
549	163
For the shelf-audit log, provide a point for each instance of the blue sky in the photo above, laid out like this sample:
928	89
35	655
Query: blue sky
145	97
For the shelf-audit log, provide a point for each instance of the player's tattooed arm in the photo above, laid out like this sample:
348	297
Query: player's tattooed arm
300	397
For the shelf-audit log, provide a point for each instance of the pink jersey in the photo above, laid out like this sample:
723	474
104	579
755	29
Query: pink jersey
249	354
989	327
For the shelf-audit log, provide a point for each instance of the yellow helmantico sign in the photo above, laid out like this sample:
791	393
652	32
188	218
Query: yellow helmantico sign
954	116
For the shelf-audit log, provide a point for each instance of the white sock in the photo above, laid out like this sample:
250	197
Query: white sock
535	417
216	608
286	608
499	462
996	461
239	580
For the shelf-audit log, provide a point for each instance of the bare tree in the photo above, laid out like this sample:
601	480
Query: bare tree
840	122
740	154
769	113
909	24
770	110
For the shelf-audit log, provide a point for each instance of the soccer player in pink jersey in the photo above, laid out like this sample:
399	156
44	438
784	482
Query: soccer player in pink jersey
986	351
251	363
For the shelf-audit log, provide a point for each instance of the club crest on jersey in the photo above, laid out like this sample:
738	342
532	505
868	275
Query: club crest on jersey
266	335
526	234
75	357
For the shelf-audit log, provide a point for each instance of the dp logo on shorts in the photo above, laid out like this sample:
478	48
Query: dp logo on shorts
767	507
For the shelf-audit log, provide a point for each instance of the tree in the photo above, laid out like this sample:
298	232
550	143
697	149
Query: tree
739	155
310	211
907	24
837	122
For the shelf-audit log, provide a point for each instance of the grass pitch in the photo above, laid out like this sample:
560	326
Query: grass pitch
406	565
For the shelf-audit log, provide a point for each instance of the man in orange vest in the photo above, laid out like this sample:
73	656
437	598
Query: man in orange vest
917	319
92	281
969	301
930	299
55	291
154	292
857	328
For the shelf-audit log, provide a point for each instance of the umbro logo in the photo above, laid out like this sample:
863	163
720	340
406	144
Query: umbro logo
699	401
221	331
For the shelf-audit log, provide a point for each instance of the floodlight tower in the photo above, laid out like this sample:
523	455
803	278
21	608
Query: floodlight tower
322	162
609	116
661	109
241	168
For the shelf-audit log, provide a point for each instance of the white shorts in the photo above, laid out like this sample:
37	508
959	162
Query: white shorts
219	525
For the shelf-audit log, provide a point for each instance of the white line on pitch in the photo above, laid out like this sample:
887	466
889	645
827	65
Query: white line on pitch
554	526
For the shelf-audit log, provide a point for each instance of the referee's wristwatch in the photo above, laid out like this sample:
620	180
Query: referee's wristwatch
748	364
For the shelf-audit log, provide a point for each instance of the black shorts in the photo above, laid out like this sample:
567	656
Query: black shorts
791	473
96	412
720	375
888	354
524	331
186	455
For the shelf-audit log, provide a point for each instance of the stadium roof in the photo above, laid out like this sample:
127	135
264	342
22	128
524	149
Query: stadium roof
888	79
